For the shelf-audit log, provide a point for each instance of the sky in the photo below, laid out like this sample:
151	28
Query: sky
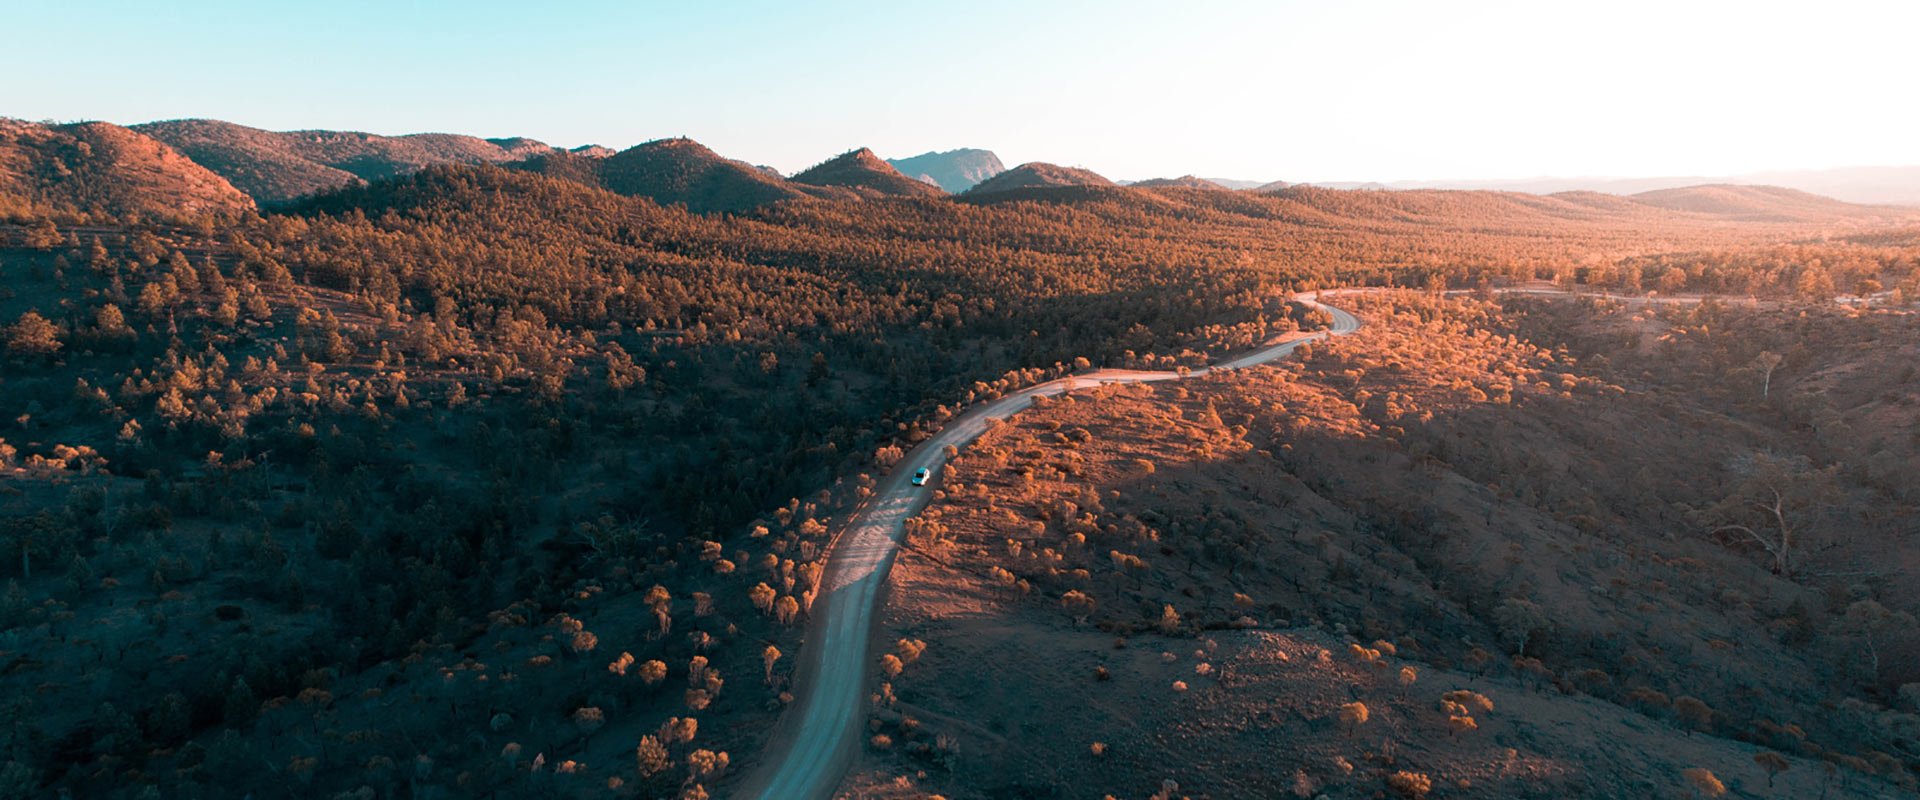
1248	89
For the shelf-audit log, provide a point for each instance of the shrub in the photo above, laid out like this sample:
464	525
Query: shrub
1411	785
1704	783
1169	620
1471	700
621	665
1696	714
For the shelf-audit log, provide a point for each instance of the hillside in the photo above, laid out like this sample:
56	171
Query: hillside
274	167
954	170
1755	203
684	172
1183	182
1890	185
863	171
1038	175
1193	582
103	169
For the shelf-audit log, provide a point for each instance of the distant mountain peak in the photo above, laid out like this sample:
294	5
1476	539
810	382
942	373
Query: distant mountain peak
953	170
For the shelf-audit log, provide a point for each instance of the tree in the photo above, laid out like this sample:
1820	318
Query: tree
770	656
33	335
42	235
587	720
661	601
241	706
1773	763
763	597
1773	504
1765	364
1518	620
1353	715
651	757
1871	623
653	671
704	765
41	534
1078	604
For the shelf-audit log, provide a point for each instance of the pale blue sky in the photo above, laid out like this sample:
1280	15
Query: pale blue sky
1359	90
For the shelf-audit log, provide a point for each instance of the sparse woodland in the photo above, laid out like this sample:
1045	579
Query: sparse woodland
479	482
1589	500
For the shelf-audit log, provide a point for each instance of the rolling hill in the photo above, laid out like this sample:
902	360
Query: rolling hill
1039	175
1754	203
675	172
865	172
685	172
1184	182
98	167
1890	185
954	170
274	167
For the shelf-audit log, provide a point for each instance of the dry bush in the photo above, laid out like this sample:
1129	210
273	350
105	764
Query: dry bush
1410	785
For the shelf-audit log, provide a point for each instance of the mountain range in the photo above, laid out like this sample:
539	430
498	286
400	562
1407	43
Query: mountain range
274	167
1869	185
194	166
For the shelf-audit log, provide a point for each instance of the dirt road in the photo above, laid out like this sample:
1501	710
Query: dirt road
820	734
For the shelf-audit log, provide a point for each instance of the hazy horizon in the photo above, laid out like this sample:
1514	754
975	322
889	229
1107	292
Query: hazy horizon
1375	92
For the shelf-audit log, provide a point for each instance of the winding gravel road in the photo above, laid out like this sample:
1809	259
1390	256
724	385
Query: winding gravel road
820	734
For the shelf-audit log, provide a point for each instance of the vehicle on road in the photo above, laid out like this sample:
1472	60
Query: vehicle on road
920	476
